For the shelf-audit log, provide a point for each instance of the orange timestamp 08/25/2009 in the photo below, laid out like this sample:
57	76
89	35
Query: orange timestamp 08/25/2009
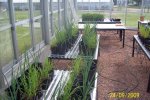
129	95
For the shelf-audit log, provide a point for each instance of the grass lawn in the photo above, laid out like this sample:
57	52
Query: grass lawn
24	40
24	37
21	15
6	51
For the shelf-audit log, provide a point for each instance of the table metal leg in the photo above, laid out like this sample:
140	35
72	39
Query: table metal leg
148	86
133	47
123	37
99	50
120	35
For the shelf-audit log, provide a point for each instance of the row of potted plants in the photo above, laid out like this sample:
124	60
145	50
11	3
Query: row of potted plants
92	17
97	18
32	82
89	41
30	85
64	39
81	81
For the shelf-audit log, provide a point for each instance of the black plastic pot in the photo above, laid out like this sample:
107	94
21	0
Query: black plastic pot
18	95
21	96
145	41
54	50
37	65
39	93
84	50
116	19
46	82
147	47
92	72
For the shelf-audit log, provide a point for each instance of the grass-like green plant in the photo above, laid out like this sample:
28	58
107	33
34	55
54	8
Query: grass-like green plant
81	65
53	42
74	30
30	83
24	79
11	93
68	30
68	88
89	37
47	67
68	91
61	36
64	38
71	30
14	89
87	84
77	65
144	31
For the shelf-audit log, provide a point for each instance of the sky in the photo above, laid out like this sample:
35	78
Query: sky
94	0
56	0
16	1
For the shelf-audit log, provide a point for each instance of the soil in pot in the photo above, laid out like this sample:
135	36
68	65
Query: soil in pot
85	51
145	41
91	76
54	50
62	49
82	48
18	95
148	47
39	93
46	82
37	65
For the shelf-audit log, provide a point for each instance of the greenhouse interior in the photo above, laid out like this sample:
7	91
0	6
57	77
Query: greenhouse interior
74	49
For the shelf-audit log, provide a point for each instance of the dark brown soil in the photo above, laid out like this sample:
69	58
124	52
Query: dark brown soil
119	71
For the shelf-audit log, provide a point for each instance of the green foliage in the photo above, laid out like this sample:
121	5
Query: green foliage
144	31
69	31
75	72
13	90
61	36
89	37
74	30
81	66
92	17
47	67
77	66
30	82
68	88
53	42
87	84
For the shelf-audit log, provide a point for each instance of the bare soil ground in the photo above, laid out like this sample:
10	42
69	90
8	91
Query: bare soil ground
119	72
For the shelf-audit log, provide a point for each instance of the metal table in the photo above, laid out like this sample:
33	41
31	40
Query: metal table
144	49
99	27
139	42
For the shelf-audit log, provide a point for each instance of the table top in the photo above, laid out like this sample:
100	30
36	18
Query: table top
104	26
144	22
110	26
